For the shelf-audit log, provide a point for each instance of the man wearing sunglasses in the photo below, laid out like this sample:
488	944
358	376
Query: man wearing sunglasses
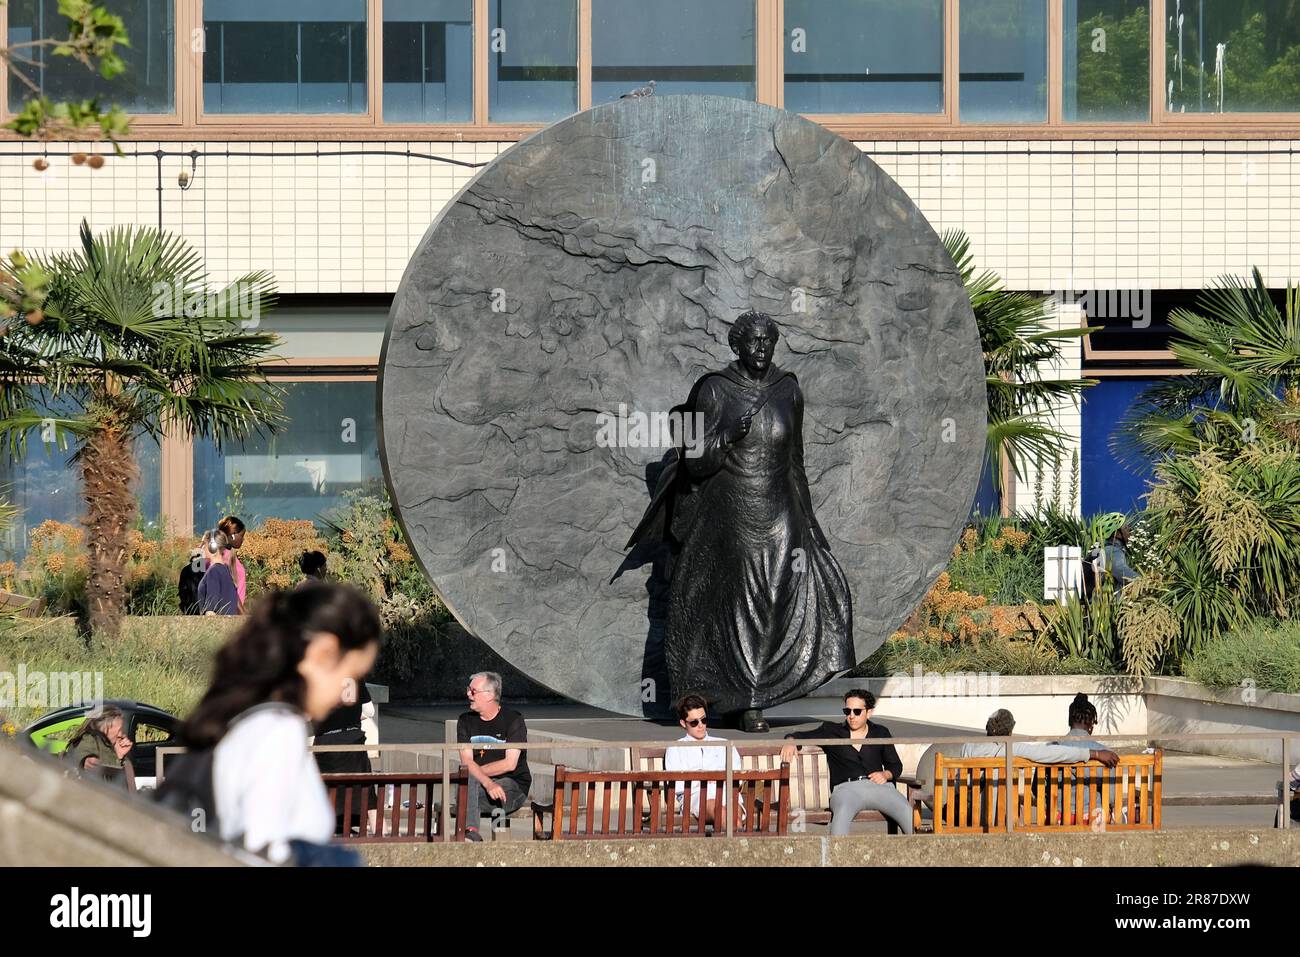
862	775
692	715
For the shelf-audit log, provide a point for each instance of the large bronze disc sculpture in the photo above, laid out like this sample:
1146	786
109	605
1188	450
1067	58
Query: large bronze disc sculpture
565	345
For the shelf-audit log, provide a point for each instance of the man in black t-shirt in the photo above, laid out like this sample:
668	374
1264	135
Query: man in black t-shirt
498	776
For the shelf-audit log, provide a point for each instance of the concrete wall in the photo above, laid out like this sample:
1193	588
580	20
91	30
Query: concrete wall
1178	706
1219	848
1144	709
1040	703
50	820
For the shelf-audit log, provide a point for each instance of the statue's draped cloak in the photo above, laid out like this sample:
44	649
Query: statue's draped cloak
759	610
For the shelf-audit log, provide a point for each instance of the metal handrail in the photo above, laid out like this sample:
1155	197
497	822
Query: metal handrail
589	744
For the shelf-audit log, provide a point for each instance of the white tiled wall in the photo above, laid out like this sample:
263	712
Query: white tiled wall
1103	214
1046	215
321	223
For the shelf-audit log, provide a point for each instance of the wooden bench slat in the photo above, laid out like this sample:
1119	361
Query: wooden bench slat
975	794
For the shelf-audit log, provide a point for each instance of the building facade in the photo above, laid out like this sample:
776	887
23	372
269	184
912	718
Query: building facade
1119	154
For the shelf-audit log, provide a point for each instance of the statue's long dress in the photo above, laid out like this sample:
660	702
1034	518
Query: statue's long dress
759	610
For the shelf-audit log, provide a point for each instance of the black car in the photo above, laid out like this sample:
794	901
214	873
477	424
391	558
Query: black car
147	726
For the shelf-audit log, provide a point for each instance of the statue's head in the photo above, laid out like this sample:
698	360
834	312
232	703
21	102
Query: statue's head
753	339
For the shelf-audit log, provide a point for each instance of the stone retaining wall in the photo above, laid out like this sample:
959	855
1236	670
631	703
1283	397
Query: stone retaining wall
1181	848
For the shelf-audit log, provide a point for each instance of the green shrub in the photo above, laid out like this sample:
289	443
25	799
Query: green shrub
1004	578
164	661
1228	528
1079	629
1266	652
367	549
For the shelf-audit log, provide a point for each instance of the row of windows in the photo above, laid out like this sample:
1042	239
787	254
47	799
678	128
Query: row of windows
304	471
839	56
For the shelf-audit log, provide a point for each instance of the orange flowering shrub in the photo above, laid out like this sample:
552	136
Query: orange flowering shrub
1009	538
56	565
270	553
951	615
365	548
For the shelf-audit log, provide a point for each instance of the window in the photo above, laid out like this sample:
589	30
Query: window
284	56
328	447
532	60
1232	56
1107	61
43	485
685	46
147	86
428	61
146	732
864	56
1003	53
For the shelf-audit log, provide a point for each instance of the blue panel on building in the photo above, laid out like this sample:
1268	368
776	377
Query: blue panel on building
1106	485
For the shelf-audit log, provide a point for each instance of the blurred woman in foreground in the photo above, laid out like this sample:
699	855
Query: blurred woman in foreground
288	666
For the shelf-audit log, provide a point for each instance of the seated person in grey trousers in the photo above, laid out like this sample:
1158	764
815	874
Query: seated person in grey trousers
499	776
861	775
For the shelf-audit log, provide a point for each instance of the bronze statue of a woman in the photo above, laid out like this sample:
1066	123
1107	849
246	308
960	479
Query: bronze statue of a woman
759	610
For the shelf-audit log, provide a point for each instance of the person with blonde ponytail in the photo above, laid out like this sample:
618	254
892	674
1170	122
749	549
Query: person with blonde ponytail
217	594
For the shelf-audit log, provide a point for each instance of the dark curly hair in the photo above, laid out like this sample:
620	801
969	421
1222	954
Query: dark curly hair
260	663
1082	712
867	697
688	703
1000	723
745	323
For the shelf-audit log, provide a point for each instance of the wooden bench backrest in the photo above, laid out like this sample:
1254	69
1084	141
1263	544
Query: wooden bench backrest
809	778
612	803
415	822
969	795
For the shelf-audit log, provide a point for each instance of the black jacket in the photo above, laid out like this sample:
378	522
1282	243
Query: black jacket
845	763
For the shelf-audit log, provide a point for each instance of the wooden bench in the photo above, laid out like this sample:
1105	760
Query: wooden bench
641	804
412	815
415	822
809	779
970	795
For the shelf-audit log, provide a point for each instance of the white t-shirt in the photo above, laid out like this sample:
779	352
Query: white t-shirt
267	785
697	758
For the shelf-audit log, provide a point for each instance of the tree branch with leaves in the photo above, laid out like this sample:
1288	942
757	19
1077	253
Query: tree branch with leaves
94	39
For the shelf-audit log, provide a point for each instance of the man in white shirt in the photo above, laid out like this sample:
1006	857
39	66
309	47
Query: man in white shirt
692	715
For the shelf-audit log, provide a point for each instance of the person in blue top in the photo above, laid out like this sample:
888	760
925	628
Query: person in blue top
218	594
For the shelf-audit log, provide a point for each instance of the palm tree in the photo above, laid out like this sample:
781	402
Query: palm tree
127	340
1244	356
1018	344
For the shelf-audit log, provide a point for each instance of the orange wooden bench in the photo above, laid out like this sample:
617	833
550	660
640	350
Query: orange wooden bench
970	795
